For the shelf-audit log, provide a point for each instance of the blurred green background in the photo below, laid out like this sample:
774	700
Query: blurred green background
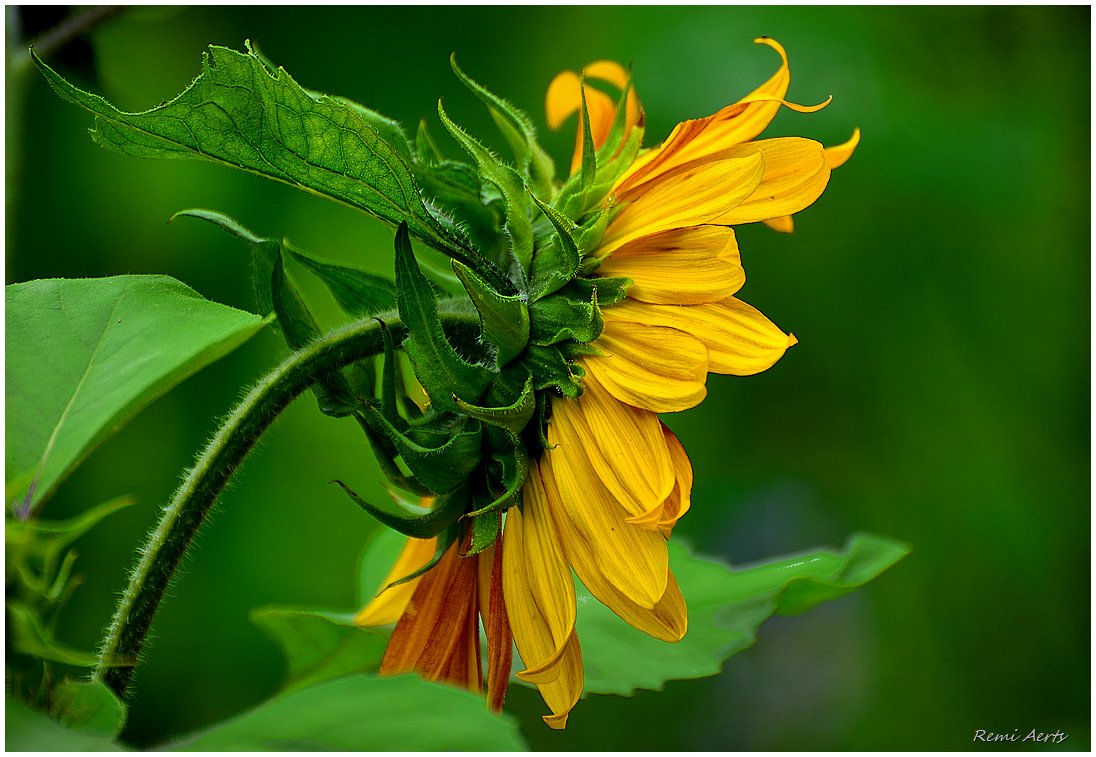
940	392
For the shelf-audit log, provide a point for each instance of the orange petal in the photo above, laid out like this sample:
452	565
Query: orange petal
680	267
783	224
496	626
390	603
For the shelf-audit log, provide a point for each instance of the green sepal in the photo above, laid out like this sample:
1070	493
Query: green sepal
385	454
505	320
588	236
333	391
485	531
555	264
448	508
588	172
441	371
509	183
562	317
609	290
611	171
426	148
357	292
543	412
515	468
513	417
390	379
549	368
263	252
517	129
456	189
445	541
440	469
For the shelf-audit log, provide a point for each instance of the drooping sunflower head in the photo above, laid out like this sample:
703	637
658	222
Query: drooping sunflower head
603	299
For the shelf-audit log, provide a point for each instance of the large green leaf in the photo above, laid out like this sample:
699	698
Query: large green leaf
84	355
241	113
89	706
26	730
319	644
365	713
726	606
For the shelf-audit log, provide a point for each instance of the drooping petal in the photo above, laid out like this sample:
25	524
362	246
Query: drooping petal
390	603
678	503
796	173
659	369
496	625
740	340
561	694
697	194
438	634
598	543
668	620
536	581
680	266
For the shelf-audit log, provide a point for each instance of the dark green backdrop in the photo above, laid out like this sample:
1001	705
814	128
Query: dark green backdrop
940	392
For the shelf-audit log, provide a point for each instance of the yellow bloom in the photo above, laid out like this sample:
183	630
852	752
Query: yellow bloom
603	500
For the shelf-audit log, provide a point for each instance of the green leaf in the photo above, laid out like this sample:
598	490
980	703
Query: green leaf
505	320
240	113
438	367
357	292
447	510
89	707
320	645
726	606
28	635
377	558
27	730
85	355
364	714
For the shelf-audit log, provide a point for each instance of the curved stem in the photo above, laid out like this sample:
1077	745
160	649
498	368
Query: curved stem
192	501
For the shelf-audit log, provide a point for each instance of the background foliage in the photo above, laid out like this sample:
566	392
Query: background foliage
939	394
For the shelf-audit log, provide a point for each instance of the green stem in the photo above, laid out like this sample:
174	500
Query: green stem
222	456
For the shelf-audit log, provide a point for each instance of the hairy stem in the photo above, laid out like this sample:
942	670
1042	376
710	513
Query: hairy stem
167	543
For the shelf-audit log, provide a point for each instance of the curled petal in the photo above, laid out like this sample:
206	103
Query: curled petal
703	138
783	224
838	154
390	603
740	340
677	504
600	546
796	173
561	693
681	266
650	367
696	194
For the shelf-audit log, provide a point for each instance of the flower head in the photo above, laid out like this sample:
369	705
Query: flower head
631	330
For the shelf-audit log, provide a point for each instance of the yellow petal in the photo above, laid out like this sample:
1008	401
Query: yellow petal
561	694
668	620
659	369
838	154
704	137
600	546
783	224
613	446
387	606
694	195
740	340
680	266
680	499
536	581
796	173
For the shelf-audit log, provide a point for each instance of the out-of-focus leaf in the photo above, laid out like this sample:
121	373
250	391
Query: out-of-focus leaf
27	634
726	606
320	645
26	730
84	355
89	706
364	714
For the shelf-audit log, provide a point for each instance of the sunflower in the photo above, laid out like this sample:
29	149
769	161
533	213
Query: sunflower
601	502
